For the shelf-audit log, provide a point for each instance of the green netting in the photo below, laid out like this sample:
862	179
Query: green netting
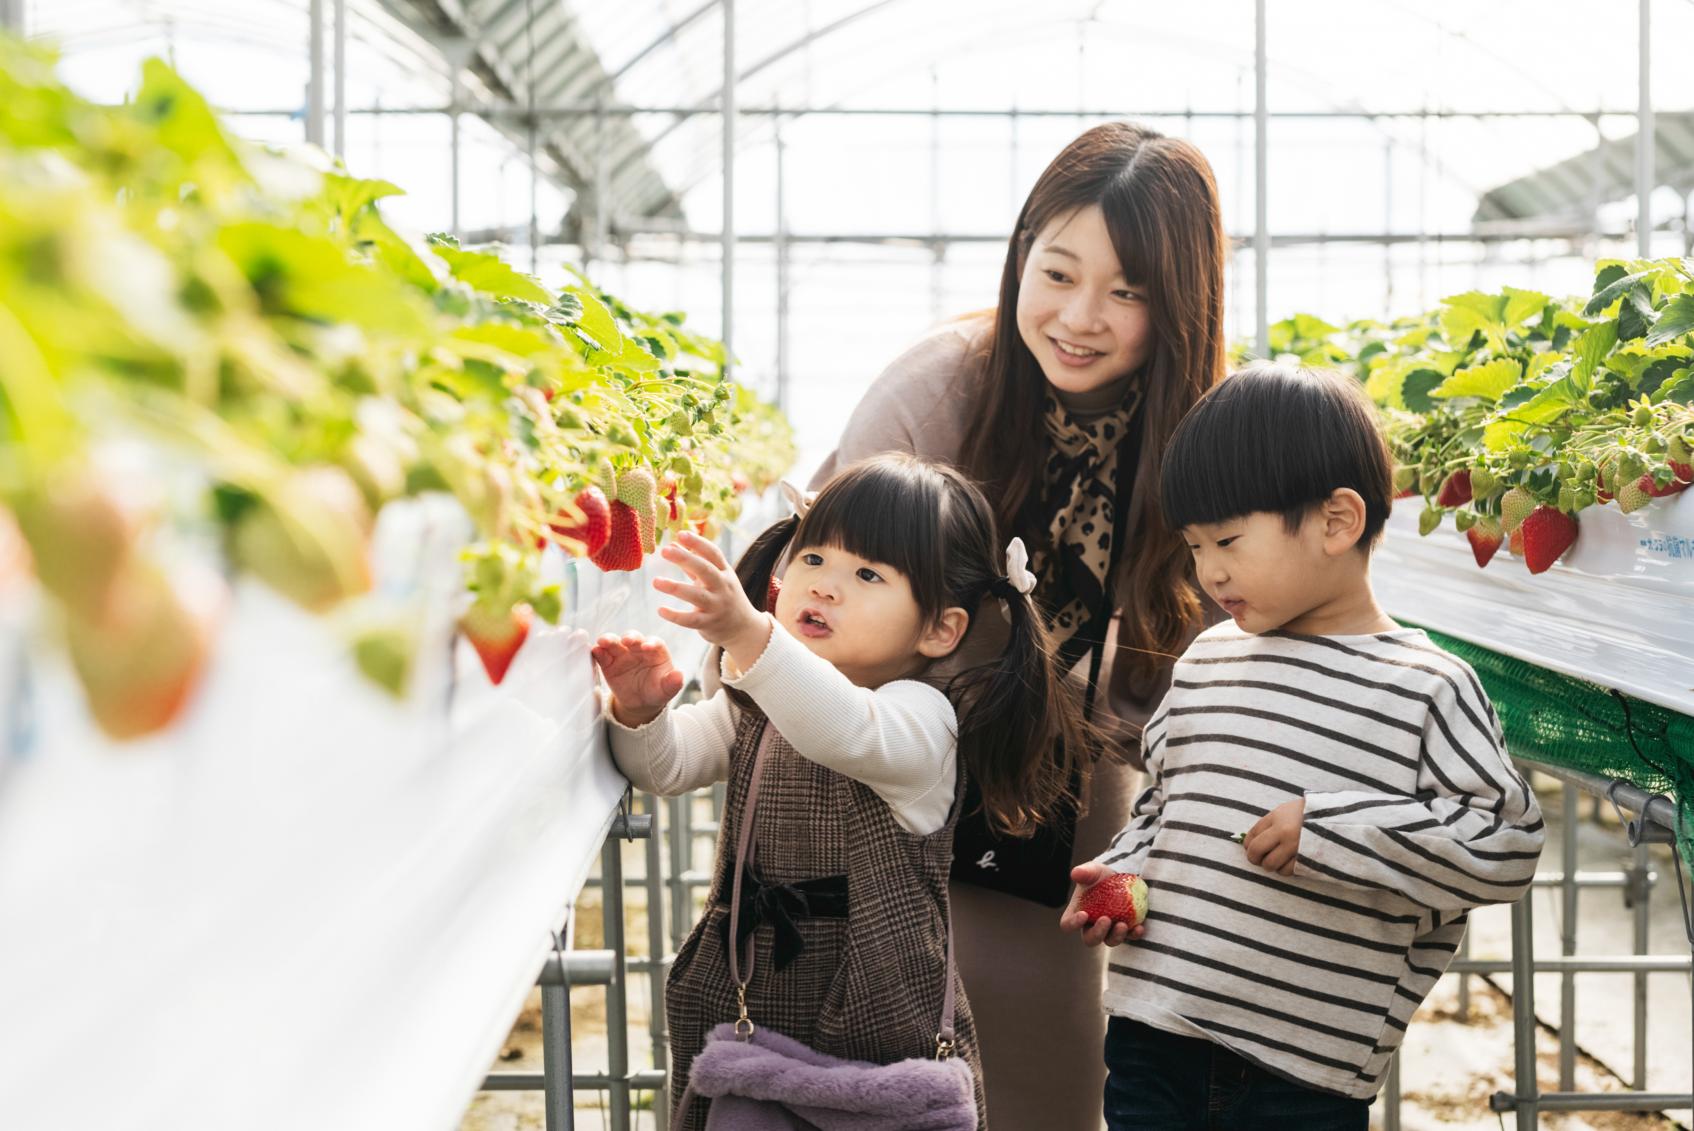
1553	718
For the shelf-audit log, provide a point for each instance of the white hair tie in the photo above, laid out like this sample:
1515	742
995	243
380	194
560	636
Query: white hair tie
1017	567
799	502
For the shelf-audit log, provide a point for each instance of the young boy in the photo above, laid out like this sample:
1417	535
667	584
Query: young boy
1276	972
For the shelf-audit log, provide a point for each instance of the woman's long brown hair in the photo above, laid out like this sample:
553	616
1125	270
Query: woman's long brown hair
1160	203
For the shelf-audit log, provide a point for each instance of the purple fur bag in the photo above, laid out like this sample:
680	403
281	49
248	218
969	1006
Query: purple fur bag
771	1083
759	1080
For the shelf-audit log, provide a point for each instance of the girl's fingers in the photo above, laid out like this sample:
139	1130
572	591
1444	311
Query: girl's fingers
693	594
696	566
687	618
671	684
706	548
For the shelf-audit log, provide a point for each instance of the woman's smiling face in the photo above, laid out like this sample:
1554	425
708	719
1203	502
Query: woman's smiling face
1085	323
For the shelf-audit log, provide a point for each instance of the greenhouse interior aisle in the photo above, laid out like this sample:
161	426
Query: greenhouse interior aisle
363	362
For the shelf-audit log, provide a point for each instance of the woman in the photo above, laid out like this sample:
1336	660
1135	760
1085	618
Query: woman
1109	326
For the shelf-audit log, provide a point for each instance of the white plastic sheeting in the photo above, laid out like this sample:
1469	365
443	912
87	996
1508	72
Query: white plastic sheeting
305	905
1618	611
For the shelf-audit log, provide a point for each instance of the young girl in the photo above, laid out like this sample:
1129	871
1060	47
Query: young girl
1059	402
852	835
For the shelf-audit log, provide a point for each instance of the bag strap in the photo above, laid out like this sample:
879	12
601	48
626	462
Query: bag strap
744	1027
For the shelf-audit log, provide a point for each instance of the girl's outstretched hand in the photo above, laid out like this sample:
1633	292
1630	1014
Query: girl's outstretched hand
721	613
1085	876
640	673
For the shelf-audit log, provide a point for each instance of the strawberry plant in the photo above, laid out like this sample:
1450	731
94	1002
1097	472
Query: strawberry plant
286	364
1515	412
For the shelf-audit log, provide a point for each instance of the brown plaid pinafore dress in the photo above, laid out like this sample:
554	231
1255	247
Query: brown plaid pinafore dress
867	986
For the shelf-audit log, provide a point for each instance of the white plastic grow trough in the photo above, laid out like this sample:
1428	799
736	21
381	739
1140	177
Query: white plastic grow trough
1617	611
305	905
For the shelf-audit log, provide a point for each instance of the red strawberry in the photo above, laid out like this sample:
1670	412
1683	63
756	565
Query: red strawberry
1634	496
1120	897
1684	471
640	490
670	486
1674	487
140	664
1547	533
1515	506
622	550
596	525
1485	538
772	592
1514	542
1455	491
739	481
496	634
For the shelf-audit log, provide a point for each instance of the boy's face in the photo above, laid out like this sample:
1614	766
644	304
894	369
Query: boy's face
1266	578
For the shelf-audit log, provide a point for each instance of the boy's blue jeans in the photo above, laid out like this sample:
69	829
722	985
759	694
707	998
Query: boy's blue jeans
1161	1080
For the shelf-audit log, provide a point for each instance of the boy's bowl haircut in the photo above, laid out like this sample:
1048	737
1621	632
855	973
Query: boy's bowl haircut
1279	439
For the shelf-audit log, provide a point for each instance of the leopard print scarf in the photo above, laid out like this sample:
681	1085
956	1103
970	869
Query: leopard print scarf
1079	513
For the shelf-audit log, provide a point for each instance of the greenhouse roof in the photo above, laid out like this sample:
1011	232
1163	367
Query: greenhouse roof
1573	187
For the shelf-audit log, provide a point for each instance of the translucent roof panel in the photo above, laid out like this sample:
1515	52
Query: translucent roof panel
1132	58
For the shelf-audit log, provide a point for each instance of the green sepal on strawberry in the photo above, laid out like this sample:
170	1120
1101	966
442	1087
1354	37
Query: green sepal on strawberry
496	634
1485	537
1120	897
622	550
1547	533
594	528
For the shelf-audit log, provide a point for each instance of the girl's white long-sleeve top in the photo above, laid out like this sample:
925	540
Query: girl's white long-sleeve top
900	739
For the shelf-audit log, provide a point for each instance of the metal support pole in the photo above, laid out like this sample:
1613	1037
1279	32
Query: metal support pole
617	1005
12	17
655	953
1464	978
1645	138
1637	894
1527	1089
602	182
456	60
937	252
781	274
1391	1097
1261	178
1567	942
340	79
1388	226
559	1106
1596	190
315	76
681	847
728	250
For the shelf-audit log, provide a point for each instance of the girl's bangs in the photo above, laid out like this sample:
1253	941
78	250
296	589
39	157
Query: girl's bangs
883	512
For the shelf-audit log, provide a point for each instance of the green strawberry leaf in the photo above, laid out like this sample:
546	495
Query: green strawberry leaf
1417	389
486	273
1605	295
1675	320
1485	382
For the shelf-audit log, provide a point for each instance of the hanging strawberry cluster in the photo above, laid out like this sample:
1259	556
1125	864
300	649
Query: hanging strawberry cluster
203	341
1514	412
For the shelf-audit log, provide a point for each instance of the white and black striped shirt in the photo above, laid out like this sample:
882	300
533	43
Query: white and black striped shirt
1413	816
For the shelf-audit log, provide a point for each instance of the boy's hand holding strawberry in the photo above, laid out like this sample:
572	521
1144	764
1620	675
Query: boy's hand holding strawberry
641	675
1095	930
722	613
1274	842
